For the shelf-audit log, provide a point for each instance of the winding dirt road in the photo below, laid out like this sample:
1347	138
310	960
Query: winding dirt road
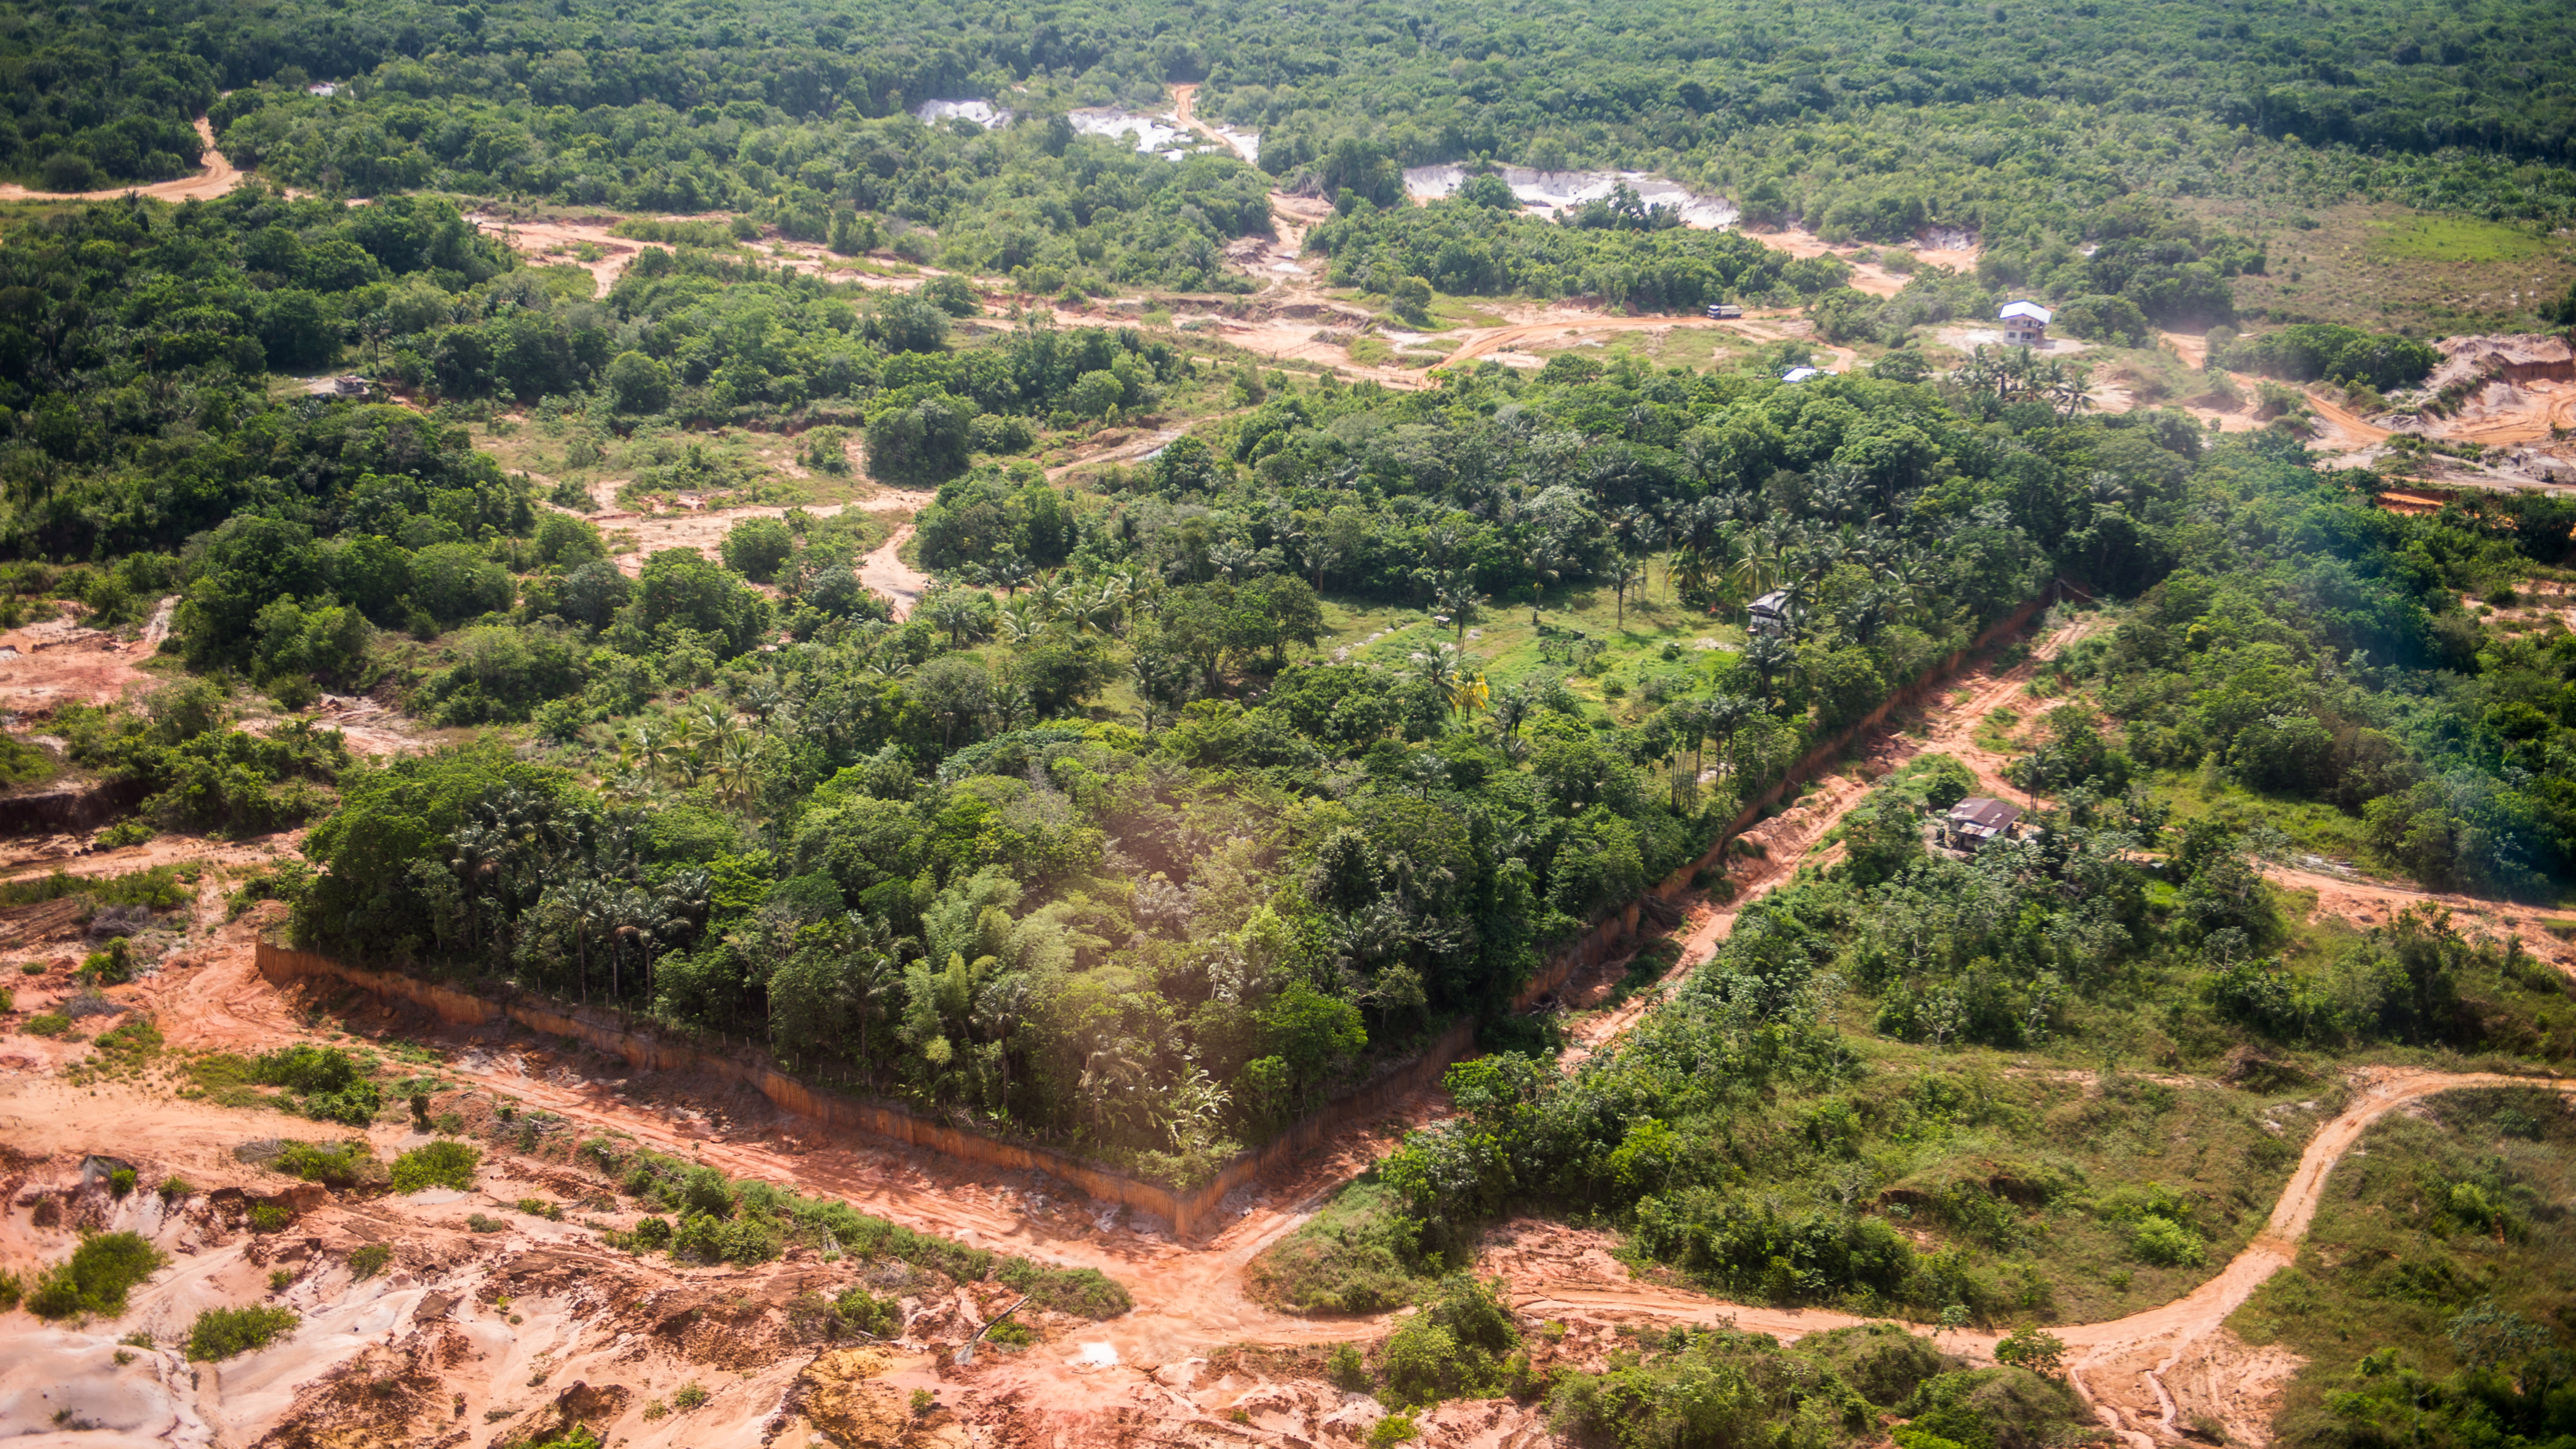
216	178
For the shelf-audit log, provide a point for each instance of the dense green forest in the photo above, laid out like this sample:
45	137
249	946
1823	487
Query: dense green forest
933	856
1876	120
1202	787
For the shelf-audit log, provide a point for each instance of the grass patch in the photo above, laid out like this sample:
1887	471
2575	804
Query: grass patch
339	1164
1357	1254
2453	238
162	888
2429	1297
2389	268
717	1214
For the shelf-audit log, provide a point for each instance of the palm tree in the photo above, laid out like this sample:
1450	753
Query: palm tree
1232	560
1768	654
1510	708
1008	572
1020	623
765	700
1546	566
1469	694
1456	597
474	853
1439	666
959	612
1625	573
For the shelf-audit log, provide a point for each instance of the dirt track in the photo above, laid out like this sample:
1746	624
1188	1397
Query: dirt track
217	178
1784	841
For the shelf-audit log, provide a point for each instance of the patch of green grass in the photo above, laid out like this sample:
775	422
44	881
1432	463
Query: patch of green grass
222	1333
162	887
1357	1254
339	1164
2311	827
2389	268
24	764
2440	1245
2454	238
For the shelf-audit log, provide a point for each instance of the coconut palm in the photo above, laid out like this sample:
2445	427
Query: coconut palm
959	613
1625	573
1546	565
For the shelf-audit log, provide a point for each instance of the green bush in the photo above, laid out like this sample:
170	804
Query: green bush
368	1261
438	1164
222	1333
338	1164
49	1023
1454	1347
2166	1243
269	1218
97	1276
120	1183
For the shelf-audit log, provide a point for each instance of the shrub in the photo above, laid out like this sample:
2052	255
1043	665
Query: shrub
757	548
97	1276
339	1164
367	1262
2040	1352
269	1218
2166	1243
222	1333
1453	1347
484	1223
1393	1429
689	1396
12	1289
121	1182
50	1023
438	1164
175	1187
652	1235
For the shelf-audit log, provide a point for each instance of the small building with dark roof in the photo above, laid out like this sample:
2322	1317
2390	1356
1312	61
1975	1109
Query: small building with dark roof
1768	614
1979	818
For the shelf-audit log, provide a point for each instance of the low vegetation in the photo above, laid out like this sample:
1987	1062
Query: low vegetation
222	1333
94	1281
723	1220
2426	1300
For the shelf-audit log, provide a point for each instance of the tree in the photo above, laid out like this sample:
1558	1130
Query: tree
455	582
1625	573
1311	1032
638	384
958	613
1546	564
681	588
757	548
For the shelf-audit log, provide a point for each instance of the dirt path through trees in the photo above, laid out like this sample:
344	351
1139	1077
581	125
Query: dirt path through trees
217	177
